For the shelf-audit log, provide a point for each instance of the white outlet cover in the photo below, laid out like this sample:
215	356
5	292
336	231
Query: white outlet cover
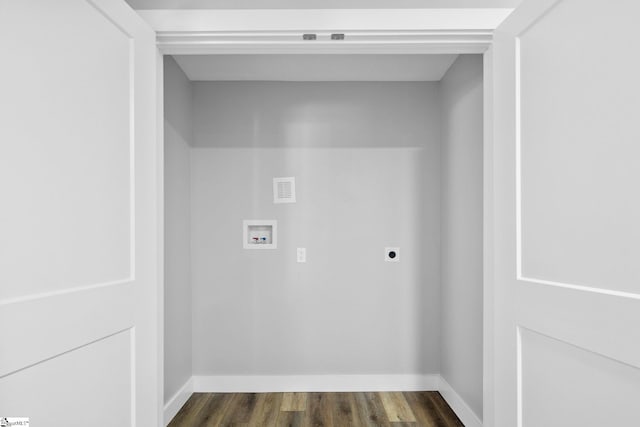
392	254
301	255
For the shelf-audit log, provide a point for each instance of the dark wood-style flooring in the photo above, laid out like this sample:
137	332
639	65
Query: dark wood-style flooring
390	409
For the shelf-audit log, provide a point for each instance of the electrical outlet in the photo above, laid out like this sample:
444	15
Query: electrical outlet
392	254
301	255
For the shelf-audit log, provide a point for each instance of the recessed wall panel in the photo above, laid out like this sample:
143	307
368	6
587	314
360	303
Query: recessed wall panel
563	385
65	160
579	166
89	386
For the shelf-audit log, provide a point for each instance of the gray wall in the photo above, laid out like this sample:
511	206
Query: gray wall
366	160
178	132
462	133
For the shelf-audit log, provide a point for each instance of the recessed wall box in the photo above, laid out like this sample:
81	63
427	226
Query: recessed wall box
260	234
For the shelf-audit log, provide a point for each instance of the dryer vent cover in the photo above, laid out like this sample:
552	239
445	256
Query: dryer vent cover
284	190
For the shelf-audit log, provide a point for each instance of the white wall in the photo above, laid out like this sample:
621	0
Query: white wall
318	4
178	132
462	132
366	159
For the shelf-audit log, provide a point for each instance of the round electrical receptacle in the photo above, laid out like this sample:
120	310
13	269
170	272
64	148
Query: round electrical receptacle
392	254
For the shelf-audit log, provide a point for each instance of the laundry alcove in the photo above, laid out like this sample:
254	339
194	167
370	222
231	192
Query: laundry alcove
386	151
127	289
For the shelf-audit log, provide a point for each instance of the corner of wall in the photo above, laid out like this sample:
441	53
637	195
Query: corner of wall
177	401
468	417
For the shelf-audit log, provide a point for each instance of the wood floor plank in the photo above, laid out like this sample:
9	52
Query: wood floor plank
186	414
213	410
266	410
404	424
239	409
396	407
371	410
319	410
345	411
294	402
290	419
445	410
424	409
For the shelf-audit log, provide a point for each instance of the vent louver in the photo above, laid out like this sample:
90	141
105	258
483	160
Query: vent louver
284	190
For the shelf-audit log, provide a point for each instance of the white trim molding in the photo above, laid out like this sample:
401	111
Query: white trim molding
313	383
391	31
178	400
459	406
355	42
310	20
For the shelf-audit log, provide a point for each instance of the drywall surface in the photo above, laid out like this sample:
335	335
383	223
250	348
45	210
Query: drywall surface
316	68
366	161
461	270
178	132
320	114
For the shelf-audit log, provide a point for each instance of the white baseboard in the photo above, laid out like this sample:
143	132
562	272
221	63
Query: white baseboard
176	402
316	383
459	406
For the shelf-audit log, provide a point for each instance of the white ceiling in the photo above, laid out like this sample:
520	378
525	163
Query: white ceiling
315	67
319	4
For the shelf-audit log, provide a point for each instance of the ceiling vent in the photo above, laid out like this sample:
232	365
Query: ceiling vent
284	190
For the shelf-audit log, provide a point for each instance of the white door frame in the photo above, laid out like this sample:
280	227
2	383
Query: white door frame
371	31
376	31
